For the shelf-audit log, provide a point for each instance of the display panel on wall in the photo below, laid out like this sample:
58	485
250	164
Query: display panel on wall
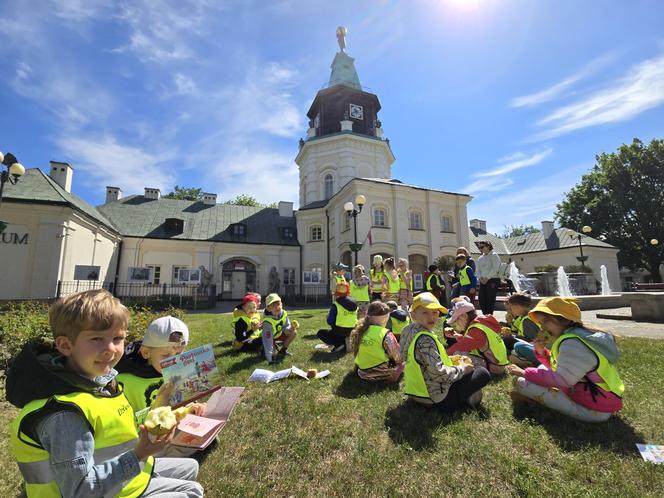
418	281
86	272
137	274
311	277
186	275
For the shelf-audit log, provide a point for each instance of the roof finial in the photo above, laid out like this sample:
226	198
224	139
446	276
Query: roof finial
341	37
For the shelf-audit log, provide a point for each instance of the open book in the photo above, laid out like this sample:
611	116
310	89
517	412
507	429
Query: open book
266	376
199	432
193	373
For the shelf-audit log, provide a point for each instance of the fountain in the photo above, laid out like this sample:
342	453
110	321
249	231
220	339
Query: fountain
520	282
563	283
606	289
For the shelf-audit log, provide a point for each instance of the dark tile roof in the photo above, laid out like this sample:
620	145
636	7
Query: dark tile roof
533	242
35	186
136	216
315	205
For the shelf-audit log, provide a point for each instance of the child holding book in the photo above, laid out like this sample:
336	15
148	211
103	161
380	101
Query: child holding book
246	325
430	377
278	331
75	434
377	353
578	375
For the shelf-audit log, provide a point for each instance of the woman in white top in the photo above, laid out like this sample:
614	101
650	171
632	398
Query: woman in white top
488	266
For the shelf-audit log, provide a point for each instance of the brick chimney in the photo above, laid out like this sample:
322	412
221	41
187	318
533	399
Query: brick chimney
62	173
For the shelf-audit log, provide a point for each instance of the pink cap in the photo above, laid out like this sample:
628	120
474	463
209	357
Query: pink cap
460	308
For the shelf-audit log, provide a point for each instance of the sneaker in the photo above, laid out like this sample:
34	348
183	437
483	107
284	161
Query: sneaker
284	352
475	399
338	349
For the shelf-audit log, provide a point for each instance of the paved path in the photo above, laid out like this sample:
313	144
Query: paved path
624	328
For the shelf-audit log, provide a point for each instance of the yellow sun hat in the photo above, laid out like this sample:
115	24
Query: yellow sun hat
557	306
427	300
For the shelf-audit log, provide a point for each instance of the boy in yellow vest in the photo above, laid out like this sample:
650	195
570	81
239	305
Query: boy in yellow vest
342	318
246	325
277	330
430	376
140	371
75	434
398	320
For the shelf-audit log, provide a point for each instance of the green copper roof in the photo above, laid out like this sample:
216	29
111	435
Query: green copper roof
343	71
137	216
35	186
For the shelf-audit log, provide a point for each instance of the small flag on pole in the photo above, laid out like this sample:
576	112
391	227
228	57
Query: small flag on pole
369	238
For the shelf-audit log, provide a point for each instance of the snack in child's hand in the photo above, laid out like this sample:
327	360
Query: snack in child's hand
311	373
182	412
160	421
459	360
295	324
505	330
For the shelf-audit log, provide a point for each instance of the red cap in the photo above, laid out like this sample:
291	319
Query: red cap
249	298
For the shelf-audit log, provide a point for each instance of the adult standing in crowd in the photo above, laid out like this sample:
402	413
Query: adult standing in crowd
488	266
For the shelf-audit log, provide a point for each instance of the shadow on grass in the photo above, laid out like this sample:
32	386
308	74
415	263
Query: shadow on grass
249	360
352	386
614	435
309	337
297	314
327	356
413	425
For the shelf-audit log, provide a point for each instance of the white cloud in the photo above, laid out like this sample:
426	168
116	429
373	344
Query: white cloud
107	162
516	161
184	85
560	88
488	185
640	89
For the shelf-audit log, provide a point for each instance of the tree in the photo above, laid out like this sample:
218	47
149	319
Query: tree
519	230
622	198
248	200
185	194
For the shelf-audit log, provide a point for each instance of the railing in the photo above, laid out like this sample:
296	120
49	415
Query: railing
145	294
312	294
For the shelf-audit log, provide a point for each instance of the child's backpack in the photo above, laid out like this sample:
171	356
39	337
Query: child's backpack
602	341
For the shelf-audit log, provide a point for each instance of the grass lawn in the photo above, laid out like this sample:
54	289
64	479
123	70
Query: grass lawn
341	437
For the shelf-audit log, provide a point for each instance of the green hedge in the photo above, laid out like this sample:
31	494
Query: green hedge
26	321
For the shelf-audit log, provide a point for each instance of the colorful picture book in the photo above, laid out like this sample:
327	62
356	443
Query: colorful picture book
199	432
192	373
652	452
267	376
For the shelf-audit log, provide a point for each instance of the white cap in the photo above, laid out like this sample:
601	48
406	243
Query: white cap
159	332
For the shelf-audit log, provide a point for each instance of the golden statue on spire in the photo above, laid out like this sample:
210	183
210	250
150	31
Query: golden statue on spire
341	37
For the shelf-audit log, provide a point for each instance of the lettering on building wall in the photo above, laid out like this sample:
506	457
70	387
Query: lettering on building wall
14	238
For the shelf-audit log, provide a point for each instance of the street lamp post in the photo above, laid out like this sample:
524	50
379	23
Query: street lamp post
350	209
14	170
586	230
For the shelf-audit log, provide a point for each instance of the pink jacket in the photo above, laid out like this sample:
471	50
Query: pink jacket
576	364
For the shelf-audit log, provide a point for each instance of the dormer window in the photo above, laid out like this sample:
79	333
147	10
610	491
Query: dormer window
174	225
239	230
288	232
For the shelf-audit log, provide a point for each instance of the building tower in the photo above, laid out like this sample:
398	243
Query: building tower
345	138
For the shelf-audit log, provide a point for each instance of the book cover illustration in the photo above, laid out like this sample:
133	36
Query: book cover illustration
652	452
193	374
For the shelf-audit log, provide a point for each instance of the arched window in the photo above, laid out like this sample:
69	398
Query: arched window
416	220
445	223
379	217
346	220
329	186
316	233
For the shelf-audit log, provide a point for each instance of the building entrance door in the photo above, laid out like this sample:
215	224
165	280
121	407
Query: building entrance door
239	284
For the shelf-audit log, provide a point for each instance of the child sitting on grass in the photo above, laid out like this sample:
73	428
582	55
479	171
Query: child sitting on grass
359	290
140	368
278	331
75	434
377	354
522	331
430	378
398	320
246	325
342	317
578	376
481	338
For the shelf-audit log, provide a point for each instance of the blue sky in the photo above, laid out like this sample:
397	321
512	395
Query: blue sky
506	100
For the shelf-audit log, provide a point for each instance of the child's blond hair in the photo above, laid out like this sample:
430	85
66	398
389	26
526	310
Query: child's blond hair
358	271
89	310
403	262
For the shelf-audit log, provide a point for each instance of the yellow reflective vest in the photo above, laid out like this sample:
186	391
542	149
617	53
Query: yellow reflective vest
345	318
277	325
249	320
402	280
432	276
111	421
376	279
611	381
414	384
139	391
398	325
371	352
360	294
393	286
464	279
517	325
495	343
